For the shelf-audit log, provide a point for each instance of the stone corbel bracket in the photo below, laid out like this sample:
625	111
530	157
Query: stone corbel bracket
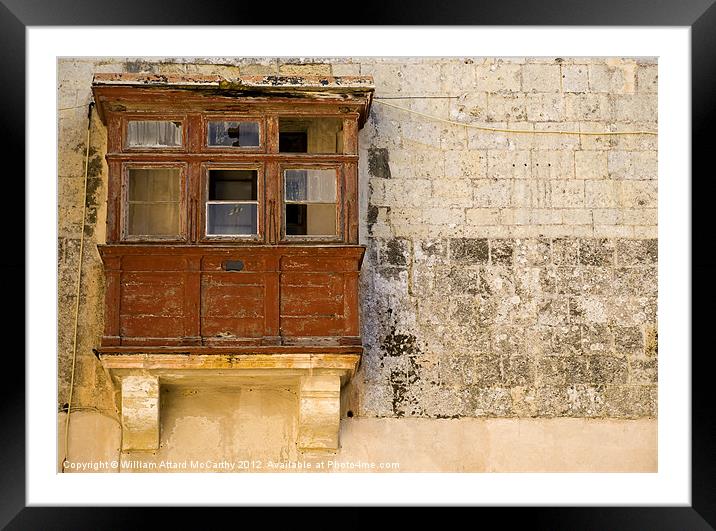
317	377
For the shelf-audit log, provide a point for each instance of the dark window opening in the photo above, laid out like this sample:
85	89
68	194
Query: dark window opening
232	208
293	142
296	219
233	185
310	135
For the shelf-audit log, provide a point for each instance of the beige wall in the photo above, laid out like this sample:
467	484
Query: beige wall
249	429
509	279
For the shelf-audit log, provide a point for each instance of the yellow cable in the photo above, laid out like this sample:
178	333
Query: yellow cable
503	130
77	292
69	108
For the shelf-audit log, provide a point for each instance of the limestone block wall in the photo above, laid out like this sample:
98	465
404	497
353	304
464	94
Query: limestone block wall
510	274
507	274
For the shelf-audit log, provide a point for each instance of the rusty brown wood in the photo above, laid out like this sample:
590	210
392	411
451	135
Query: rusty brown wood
140	100
192	297
112	294
272	294
229	349
171	295
291	295
294	158
351	304
114	132
350	136
114	201
350	174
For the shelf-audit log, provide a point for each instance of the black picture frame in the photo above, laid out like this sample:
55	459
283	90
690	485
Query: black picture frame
699	15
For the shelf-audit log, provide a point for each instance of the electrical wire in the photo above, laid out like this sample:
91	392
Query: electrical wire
69	108
77	291
507	130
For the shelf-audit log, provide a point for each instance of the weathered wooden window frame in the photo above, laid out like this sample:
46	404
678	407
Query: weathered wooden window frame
194	156
182	237
207	117
303	238
202	218
155	117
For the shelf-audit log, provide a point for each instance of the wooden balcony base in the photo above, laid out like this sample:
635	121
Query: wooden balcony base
318	377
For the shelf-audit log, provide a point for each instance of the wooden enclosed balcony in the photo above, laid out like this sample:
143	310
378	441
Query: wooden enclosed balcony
232	253
212	297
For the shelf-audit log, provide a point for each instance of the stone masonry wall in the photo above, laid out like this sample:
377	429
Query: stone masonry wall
506	274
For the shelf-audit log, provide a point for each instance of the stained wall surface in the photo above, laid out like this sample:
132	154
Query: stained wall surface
508	276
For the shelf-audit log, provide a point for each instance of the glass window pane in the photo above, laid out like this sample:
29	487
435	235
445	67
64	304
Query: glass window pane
231	218
296	185
314	186
233	185
310	135
310	219
154	197
154	184
154	133
233	134
321	220
153	219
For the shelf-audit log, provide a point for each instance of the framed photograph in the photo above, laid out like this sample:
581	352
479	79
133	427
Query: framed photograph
438	254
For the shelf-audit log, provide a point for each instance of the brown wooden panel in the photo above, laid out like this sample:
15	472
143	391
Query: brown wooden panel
180	295
250	260
272	295
311	326
249	346
309	263
330	281
193	179
232	304
153	302
312	306
350	173
232	326
111	300
113	201
150	326
228	306
297	293
194	132
151	279
192	297
351	303
237	292
114	132
235	283
272	134
161	342
350	135
153	263
272	214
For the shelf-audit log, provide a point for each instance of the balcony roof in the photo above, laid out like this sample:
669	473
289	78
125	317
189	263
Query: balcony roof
126	90
267	83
